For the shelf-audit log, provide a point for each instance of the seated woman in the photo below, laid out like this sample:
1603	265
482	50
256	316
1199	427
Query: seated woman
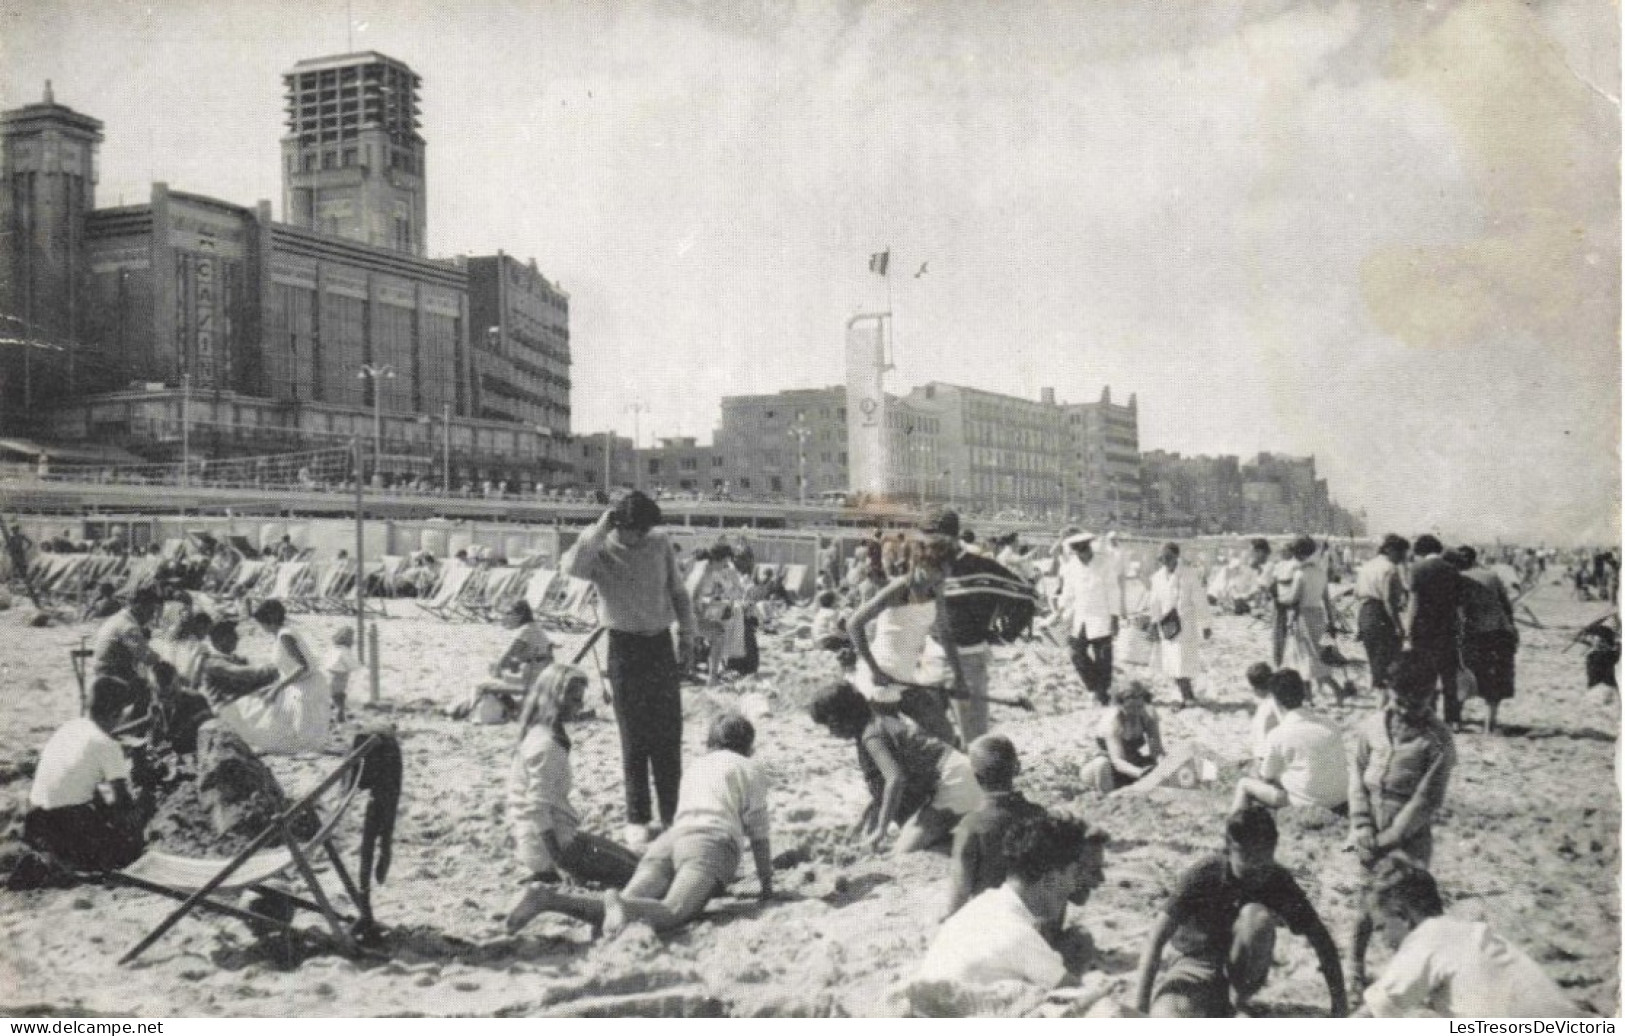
914	778
185	646
67	816
530	652
293	714
722	802
546	833
1130	740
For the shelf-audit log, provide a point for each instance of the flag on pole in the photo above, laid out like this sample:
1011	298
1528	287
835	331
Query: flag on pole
879	261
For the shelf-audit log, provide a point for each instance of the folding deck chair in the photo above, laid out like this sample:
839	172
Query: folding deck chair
193	881
452	582
536	589
575	610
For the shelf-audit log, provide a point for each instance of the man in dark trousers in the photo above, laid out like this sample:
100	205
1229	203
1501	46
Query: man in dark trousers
1436	594
642	592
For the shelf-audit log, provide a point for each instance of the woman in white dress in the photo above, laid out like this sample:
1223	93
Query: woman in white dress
1308	595
904	615
718	595
1178	606
293	714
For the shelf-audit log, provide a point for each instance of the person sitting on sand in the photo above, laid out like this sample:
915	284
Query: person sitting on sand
103	606
546	829
129	628
1398	774
1129	736
292	715
1221	922
828	632
914	778
67	817
1303	762
1448	968
528	653
221	675
186	645
723	801
1001	934
1266	714
978	862
904	615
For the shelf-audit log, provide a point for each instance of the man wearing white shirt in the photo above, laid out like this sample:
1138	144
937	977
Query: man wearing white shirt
997	936
1451	968
66	816
1092	595
1303	762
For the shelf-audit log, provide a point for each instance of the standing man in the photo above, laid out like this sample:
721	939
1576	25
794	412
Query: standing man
1489	641
1379	586
1436	593
1283	592
636	575
1093	599
973	590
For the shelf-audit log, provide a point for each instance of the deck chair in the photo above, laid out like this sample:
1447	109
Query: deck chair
576	611
193	881
390	568
795	581
536	589
452	582
502	588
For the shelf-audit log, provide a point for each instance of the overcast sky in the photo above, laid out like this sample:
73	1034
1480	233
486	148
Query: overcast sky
1384	234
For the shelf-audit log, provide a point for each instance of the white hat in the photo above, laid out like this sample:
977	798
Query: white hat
1077	540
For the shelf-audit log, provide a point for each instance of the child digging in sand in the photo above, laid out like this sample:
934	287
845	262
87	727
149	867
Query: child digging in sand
722	802
546	832
913	778
978	862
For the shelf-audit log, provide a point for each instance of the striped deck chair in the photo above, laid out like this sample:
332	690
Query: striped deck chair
795	581
274	852
574	609
290	580
389	572
504	587
536	589
453	579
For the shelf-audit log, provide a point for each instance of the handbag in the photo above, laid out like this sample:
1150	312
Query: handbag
1170	626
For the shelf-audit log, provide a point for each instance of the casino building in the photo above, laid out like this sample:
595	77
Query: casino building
119	324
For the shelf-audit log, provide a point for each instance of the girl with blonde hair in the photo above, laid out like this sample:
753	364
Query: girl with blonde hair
546	830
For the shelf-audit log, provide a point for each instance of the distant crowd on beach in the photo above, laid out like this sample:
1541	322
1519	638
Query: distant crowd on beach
913	619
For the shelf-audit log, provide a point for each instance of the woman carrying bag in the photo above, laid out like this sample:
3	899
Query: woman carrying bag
1178	606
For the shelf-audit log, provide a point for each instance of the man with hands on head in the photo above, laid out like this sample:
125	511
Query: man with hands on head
642	592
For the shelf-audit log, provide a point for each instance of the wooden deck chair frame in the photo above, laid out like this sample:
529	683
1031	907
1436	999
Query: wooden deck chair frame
245	871
452	583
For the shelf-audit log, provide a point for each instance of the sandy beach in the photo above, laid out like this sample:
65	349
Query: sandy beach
1528	840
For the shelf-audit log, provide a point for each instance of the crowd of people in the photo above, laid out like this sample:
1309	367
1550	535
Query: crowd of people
912	617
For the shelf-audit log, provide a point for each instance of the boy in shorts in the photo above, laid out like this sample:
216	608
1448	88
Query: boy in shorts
1222	921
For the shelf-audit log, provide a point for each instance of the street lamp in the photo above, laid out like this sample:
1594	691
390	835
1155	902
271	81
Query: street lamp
375	373
445	471
636	409
800	433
